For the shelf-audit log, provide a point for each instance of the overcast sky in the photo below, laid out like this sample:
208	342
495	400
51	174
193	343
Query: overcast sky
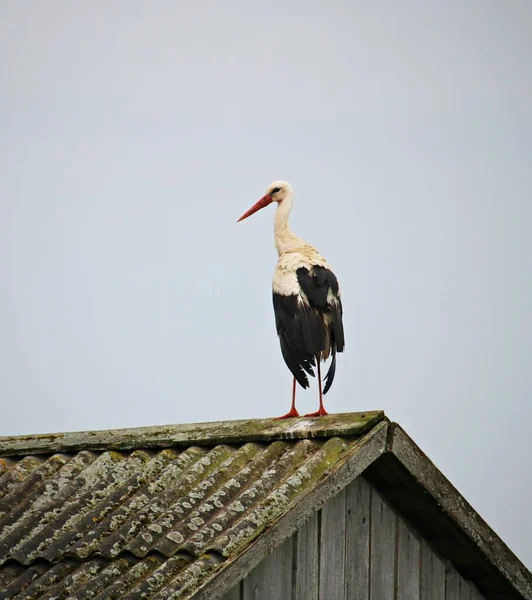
134	134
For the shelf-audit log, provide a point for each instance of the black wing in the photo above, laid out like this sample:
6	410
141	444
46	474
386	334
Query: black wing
300	334
301	326
322	290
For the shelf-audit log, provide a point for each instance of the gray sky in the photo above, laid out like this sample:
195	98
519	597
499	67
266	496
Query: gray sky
134	134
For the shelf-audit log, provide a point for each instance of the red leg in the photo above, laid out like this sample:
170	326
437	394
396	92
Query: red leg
293	412
321	412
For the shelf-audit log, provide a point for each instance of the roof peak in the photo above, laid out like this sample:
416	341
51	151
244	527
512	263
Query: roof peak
217	432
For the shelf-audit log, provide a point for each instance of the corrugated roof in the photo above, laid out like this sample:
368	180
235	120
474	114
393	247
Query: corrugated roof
155	512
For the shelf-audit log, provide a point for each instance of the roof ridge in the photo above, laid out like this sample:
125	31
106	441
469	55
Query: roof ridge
209	433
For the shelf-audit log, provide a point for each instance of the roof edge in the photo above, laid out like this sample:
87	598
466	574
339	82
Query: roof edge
458	510
157	436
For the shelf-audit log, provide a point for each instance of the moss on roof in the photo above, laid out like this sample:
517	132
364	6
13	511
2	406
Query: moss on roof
220	432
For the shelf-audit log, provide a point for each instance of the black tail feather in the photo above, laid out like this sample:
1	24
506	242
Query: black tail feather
329	378
337	325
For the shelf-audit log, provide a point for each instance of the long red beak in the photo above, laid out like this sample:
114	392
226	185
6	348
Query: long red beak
264	201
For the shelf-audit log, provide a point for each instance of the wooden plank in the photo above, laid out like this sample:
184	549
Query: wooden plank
408	563
272	578
456	587
382	550
452	583
358	519
234	594
432	574
307	562
332	548
189	434
465	589
475	594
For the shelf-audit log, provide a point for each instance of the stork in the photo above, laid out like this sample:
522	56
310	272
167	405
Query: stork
306	300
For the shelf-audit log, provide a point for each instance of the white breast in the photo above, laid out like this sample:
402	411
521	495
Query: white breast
285	275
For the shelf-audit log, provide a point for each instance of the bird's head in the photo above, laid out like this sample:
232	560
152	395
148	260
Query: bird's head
276	192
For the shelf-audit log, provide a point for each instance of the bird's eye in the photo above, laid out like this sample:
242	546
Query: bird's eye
275	190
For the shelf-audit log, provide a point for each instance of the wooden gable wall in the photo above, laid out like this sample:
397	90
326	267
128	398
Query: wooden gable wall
356	547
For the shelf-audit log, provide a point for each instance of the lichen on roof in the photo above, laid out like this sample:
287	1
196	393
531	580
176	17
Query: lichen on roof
220	432
155	512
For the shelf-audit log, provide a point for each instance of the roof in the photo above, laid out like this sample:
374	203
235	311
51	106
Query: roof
188	510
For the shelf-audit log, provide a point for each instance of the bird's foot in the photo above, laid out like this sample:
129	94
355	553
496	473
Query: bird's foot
319	413
293	413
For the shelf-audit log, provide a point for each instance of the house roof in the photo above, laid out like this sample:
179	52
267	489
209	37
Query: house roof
187	511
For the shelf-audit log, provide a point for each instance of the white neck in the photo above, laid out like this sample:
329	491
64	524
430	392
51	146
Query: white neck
285	238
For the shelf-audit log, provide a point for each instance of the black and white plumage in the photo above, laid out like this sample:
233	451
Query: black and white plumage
306	300
309	324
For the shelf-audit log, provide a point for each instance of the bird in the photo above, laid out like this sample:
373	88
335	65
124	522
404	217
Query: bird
306	301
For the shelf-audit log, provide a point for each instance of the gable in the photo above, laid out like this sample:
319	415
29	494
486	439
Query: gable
356	547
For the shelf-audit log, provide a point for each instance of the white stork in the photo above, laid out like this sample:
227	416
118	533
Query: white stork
306	300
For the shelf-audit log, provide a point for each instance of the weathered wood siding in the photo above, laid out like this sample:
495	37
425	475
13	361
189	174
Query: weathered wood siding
356	548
